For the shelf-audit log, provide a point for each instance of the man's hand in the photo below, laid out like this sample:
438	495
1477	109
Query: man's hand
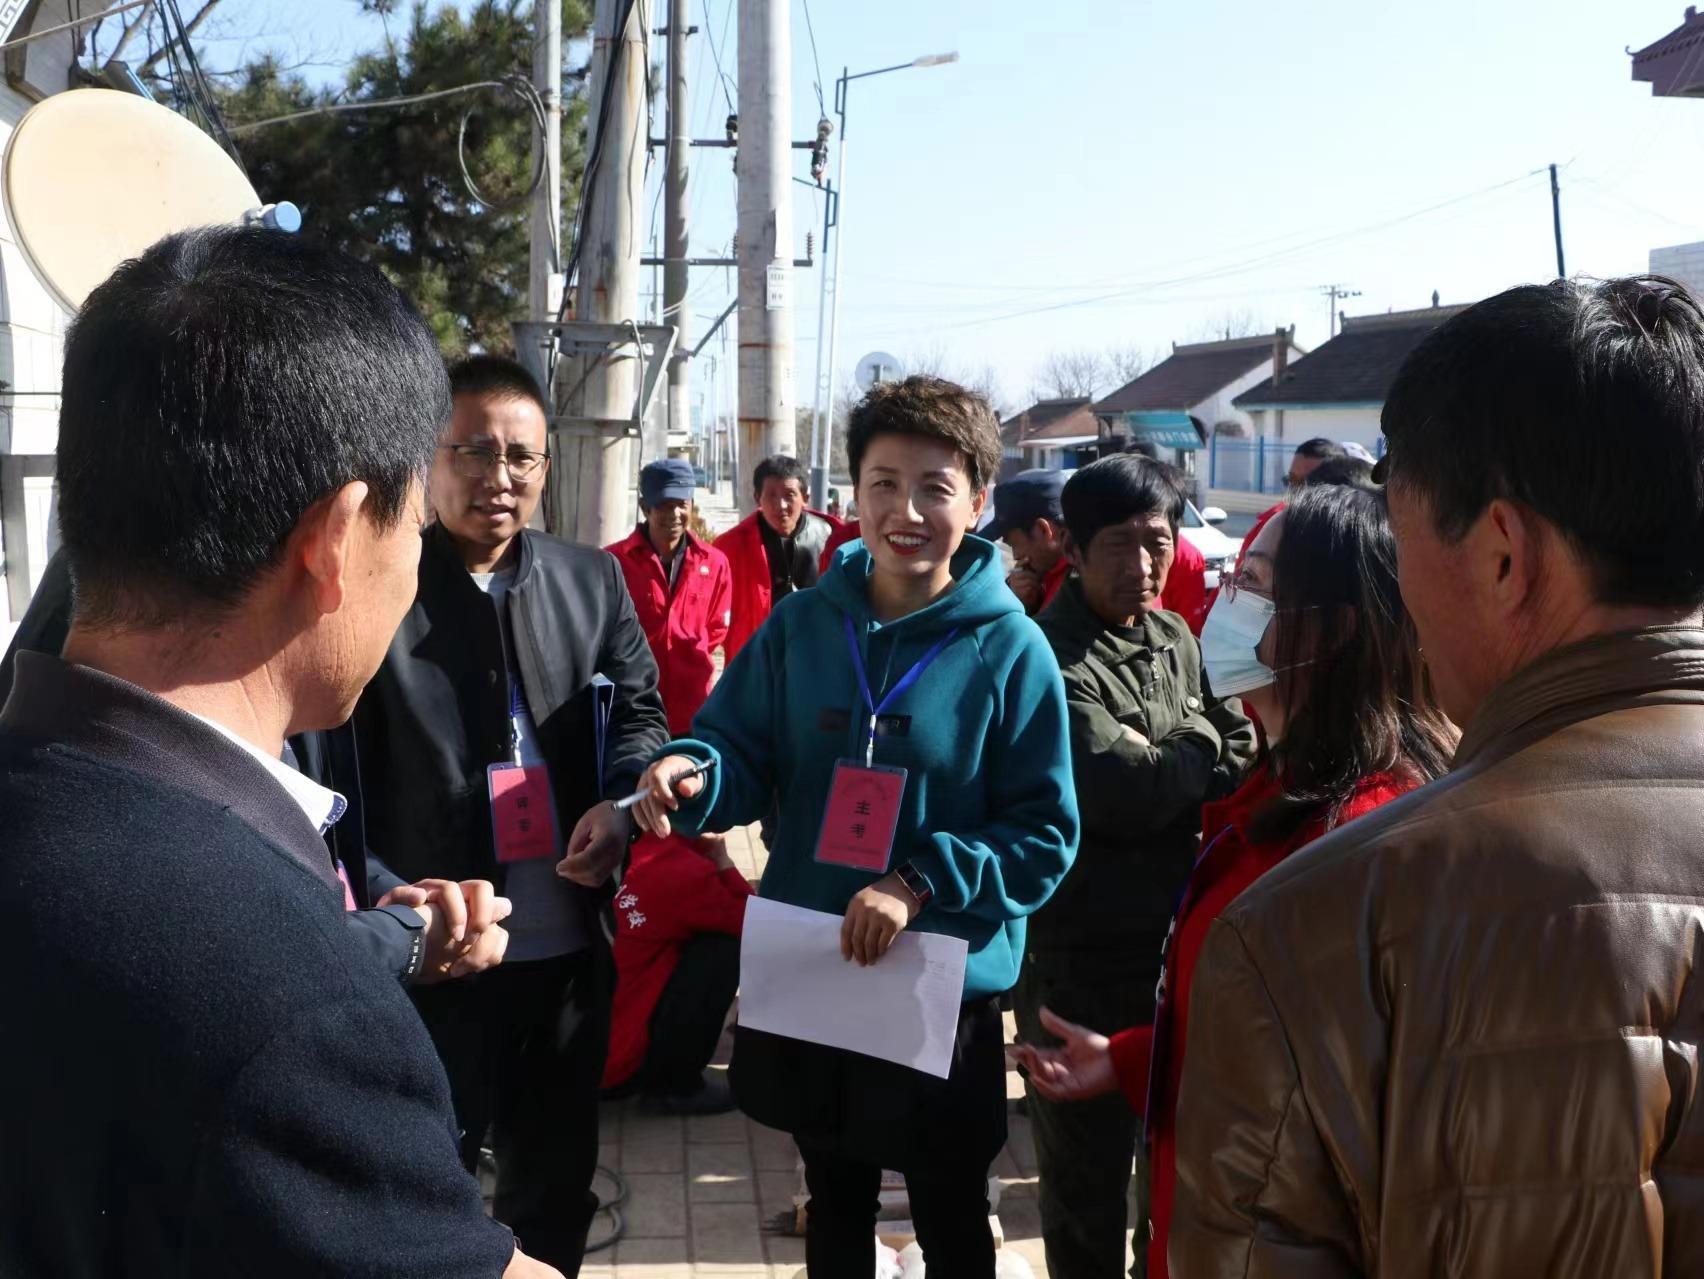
652	812
463	925
874	918
596	846
522	1266
1079	1069
1026	585
715	847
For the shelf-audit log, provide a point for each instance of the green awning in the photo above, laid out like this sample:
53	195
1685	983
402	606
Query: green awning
1164	430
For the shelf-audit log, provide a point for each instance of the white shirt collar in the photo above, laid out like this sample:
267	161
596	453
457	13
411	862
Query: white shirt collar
321	805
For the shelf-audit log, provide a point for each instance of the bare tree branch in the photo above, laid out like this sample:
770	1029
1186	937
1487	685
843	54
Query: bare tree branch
132	29
189	30
1069	375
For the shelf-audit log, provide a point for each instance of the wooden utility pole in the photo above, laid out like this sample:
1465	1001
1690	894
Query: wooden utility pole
1556	218
592	475
678	418
764	171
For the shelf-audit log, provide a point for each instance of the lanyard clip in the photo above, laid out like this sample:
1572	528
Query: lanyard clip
870	745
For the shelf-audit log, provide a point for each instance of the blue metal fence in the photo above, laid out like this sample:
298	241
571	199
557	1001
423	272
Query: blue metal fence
1253	466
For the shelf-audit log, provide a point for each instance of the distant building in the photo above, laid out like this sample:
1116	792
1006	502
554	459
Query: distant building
1683	263
1674	65
1051	434
1195	386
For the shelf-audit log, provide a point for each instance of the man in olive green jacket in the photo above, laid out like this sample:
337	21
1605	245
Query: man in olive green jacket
1148	745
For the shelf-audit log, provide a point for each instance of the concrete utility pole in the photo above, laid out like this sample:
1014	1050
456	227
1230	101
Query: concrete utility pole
545	259
1332	293
678	417
592	475
764	171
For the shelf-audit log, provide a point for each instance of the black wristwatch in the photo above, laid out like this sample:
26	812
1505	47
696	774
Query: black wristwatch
914	883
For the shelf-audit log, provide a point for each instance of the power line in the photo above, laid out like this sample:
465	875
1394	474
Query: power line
811	27
721	76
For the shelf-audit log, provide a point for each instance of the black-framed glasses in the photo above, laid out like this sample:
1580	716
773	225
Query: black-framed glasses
474	462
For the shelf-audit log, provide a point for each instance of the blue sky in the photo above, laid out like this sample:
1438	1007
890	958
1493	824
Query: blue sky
1097	173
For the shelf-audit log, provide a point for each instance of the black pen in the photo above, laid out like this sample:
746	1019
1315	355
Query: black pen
622	805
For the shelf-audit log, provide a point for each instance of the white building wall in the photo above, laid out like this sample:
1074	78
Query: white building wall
1360	424
1682	262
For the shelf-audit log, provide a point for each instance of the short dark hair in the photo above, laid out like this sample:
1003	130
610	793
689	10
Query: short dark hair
1351	472
930	408
1320	449
1118	488
214	389
1364	706
780	467
1582	400
498	377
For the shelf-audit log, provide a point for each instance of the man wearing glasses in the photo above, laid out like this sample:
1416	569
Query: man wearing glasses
483	745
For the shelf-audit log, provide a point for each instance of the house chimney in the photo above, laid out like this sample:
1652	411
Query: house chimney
1434	297
1280	352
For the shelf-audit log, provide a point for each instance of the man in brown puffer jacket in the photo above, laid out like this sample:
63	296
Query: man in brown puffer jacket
1461	1036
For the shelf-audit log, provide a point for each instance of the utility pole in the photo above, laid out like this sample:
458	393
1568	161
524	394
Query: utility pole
1556	217
764	171
678	417
545	258
592	476
1333	292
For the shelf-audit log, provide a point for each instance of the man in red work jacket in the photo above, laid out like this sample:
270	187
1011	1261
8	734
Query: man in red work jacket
775	550
678	917
681	589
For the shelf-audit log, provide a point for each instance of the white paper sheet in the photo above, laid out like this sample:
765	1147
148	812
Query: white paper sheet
904	1008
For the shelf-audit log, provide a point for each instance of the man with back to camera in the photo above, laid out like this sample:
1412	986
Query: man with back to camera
1461	1035
680	587
777	549
214	1076
423	932
483	744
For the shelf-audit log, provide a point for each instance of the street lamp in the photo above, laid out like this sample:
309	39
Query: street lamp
829	287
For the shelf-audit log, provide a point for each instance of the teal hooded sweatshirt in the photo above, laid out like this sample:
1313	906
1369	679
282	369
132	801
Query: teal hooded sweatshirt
989	816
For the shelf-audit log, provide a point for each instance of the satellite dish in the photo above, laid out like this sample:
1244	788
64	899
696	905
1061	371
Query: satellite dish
93	177
877	366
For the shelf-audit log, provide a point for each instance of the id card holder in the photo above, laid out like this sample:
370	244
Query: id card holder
523	813
862	816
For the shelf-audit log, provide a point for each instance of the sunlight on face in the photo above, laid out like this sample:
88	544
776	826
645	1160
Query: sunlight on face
915	504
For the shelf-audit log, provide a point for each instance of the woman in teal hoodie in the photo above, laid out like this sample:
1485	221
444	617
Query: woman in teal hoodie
911	654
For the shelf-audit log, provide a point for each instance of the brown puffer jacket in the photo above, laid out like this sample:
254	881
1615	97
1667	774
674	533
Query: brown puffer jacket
1461	1036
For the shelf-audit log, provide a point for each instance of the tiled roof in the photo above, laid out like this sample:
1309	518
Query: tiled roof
1355	367
1190	375
1051	419
1674	65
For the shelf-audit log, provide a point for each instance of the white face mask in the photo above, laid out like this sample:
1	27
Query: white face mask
1234	629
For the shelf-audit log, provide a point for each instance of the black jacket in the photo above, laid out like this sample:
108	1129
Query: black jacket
437	713
391	934
210	1077
1139	792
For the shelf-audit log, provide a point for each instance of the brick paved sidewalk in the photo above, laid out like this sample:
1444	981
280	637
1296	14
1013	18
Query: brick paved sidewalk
701	1189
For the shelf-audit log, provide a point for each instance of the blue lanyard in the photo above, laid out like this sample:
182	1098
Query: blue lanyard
905	681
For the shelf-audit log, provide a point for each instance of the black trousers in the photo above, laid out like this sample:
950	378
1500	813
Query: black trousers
949	1208
687	1022
524	1046
1085	1150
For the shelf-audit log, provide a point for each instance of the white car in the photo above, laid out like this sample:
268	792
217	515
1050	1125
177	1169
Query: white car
1201	530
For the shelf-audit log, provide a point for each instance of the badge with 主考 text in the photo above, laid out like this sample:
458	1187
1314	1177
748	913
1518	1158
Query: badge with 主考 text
523	813
862	815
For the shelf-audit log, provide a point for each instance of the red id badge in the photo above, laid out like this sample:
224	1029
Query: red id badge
862	815
523	814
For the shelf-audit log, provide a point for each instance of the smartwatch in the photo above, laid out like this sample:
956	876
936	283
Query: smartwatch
914	883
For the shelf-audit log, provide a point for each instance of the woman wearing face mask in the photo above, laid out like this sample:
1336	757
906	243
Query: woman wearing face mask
1312	635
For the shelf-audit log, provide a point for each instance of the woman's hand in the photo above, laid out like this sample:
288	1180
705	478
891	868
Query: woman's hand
652	812
1077	1070
874	918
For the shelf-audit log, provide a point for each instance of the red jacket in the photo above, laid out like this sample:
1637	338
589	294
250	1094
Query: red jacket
1186	586
685	629
847	532
672	892
749	565
1149	1059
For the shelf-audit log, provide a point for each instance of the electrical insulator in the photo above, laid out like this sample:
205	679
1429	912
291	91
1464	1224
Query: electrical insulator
810	246
819	150
733	127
